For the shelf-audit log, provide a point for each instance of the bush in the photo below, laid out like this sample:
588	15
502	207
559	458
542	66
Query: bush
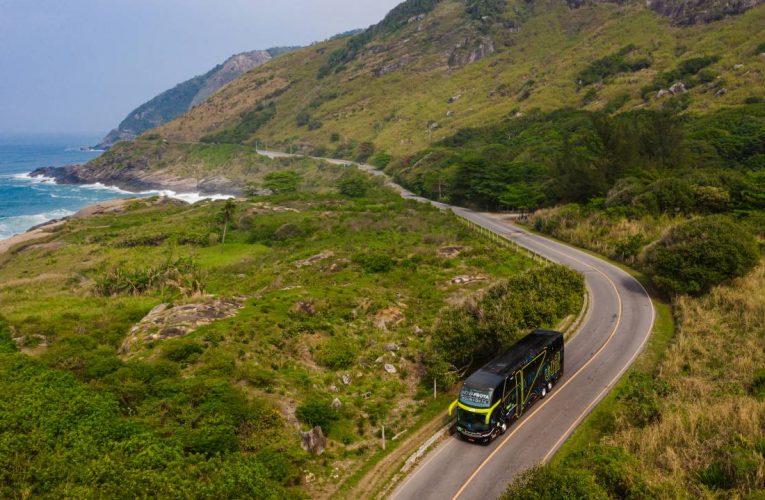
553	482
364	151
282	182
616	471
471	334
337	354
353	184
758	384
699	254
374	262
316	412
181	351
6	342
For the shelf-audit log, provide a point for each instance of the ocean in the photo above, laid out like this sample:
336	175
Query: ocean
26	202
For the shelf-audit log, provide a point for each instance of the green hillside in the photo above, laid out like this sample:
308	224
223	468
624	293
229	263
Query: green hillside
432	68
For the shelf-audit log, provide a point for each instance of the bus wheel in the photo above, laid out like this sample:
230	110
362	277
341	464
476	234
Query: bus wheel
549	386
544	391
503	427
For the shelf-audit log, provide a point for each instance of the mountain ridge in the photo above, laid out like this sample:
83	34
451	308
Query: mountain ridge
173	102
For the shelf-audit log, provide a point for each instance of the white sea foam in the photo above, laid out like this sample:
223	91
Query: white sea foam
10	226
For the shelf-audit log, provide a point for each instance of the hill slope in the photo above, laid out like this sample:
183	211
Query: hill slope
432	68
184	96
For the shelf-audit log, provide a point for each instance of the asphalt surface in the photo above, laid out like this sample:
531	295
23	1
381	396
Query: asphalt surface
613	333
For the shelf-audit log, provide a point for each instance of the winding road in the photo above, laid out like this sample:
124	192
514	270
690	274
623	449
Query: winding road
612	335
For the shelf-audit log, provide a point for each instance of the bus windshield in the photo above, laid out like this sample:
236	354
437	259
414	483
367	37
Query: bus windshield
475	422
477	398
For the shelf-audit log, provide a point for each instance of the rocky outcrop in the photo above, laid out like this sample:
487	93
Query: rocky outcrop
313	441
138	176
689	12
168	321
469	51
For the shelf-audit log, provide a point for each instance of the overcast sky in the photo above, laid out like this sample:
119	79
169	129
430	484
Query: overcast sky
81	65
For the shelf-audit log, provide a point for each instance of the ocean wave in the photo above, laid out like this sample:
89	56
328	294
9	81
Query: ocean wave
10	226
192	197
27	177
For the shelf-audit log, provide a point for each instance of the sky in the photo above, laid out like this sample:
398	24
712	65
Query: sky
80	66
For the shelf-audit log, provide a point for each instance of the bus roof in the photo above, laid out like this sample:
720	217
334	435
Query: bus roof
496	370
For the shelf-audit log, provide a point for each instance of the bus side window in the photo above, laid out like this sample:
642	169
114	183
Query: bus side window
530	371
511	396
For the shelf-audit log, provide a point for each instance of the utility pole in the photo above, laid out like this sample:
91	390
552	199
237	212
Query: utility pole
435	394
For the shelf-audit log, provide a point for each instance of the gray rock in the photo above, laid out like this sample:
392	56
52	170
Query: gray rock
346	379
661	93
336	404
313	441
390	368
391	347
379	360
721	92
678	88
454	98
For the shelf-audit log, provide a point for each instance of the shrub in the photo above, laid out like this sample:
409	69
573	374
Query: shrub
353	184
302	119
699	254
758	383
468	335
6	342
642	393
181	351
374	262
182	276
552	482
364	151
616	471
316	412
282	182
337	353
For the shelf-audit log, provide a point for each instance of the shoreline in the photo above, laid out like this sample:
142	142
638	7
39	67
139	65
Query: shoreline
104	206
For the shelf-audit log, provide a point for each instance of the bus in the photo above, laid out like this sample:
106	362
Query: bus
500	392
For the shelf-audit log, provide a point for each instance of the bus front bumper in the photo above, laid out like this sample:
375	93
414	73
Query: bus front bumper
475	437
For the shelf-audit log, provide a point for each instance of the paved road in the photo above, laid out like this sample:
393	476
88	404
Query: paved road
612	335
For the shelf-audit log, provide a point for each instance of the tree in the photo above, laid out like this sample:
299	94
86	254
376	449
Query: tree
353	184
282	182
226	214
551	482
699	254
522	196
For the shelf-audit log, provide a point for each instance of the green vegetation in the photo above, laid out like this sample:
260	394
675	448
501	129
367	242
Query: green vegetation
641	162
223	403
395	19
690	72
243	131
601	69
697	255
282	182
467	336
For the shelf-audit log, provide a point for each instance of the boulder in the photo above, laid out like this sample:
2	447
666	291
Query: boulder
678	88
721	92
313	441
169	321
346	379
390	368
314	259
661	93
336	404
391	347
465	279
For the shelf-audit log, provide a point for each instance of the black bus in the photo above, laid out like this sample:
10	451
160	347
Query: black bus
498	394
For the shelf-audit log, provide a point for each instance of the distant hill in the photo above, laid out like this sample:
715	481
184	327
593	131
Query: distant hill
184	96
439	89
